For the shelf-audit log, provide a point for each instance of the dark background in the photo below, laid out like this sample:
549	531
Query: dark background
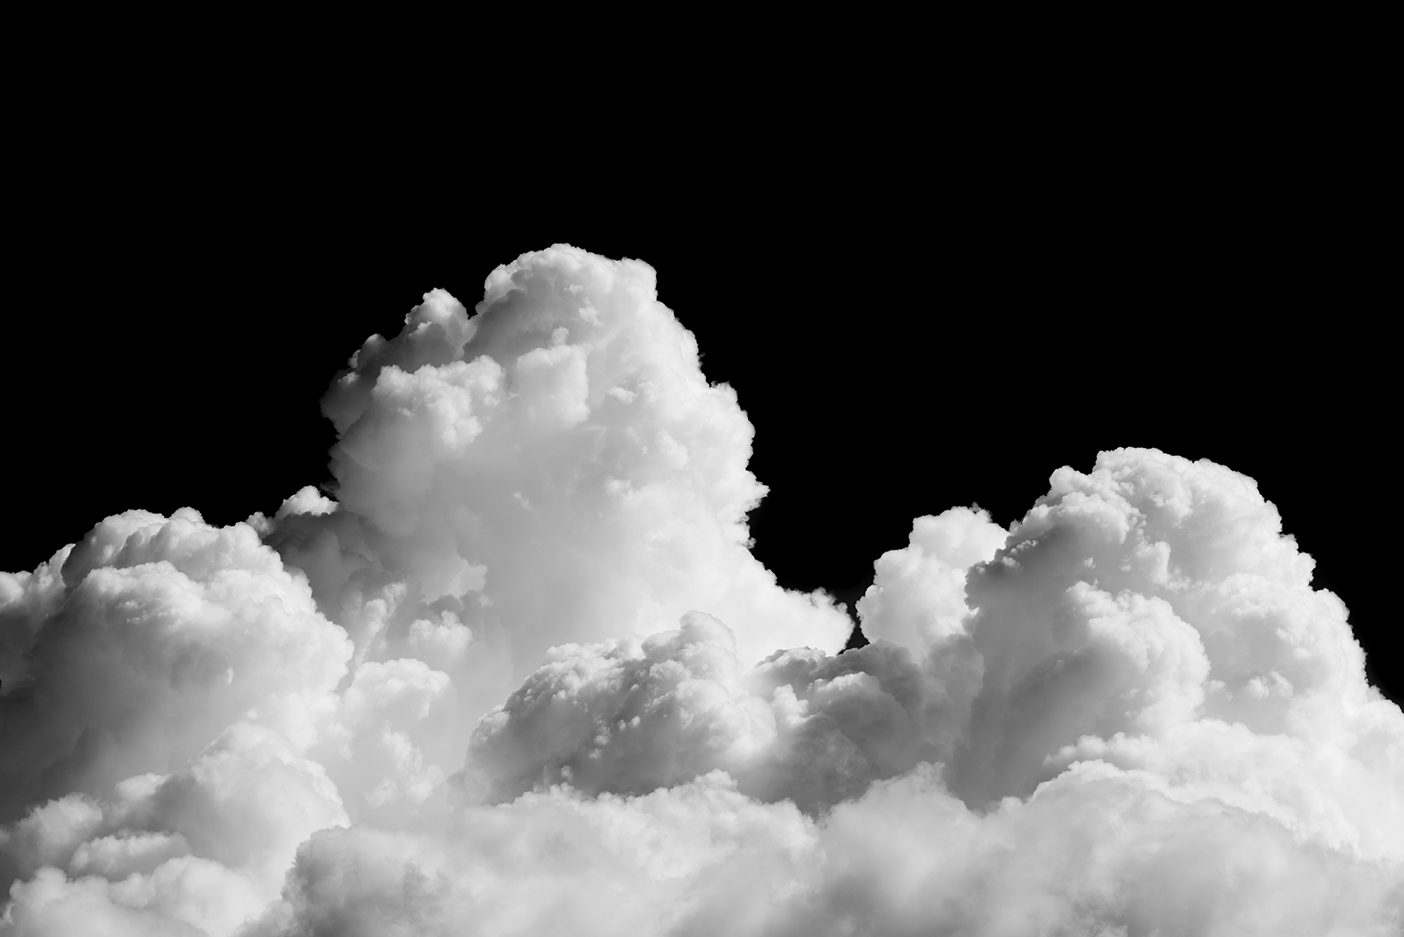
941	309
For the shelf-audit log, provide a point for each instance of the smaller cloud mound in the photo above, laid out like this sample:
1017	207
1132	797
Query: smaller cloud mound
1150	598
199	852
630	716
164	680
625	717
917	598
130	651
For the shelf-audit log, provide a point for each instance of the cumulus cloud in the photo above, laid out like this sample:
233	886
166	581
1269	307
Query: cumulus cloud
554	467
521	674
131	651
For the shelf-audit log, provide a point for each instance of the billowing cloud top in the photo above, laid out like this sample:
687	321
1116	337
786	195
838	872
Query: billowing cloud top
523	676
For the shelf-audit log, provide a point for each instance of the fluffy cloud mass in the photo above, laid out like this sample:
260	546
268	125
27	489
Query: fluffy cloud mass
524	676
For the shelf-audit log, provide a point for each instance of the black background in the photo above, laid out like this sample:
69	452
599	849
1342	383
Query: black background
919	305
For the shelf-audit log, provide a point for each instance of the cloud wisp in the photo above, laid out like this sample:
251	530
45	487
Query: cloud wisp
523	675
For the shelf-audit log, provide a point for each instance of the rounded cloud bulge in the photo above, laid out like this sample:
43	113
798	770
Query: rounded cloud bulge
516	671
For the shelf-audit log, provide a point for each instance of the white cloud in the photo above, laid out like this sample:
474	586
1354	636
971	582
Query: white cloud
917	598
203	851
155	634
553	468
524	676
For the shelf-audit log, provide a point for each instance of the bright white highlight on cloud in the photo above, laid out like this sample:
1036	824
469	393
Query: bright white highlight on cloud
523	676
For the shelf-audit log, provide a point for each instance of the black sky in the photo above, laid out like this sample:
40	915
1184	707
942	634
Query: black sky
912	321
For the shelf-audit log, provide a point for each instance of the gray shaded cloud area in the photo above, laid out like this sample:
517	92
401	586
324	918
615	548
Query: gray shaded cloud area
524	676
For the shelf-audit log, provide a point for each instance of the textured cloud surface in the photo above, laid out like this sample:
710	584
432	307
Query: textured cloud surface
523	676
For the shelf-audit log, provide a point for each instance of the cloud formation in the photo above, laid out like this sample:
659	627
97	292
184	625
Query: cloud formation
522	675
